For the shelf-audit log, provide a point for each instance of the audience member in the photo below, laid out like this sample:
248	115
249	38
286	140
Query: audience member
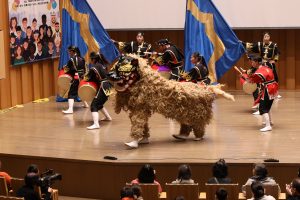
220	173
27	191
137	192
293	190
260	173
258	192
6	176
184	175
126	193
180	198
147	175
221	194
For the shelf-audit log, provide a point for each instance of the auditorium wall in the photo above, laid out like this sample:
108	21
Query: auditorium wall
25	83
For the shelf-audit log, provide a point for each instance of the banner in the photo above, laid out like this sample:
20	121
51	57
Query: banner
34	30
82	28
207	32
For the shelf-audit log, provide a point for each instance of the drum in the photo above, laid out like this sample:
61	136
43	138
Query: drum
63	82
248	88
87	90
164	71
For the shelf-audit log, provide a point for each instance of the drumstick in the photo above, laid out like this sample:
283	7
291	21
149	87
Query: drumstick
238	70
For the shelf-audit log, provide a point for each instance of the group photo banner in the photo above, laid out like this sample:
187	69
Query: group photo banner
35	32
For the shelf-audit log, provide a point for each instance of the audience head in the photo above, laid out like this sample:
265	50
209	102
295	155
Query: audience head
184	172
126	193
257	189
220	169
221	194
33	169
260	171
137	192
296	187
146	174
180	198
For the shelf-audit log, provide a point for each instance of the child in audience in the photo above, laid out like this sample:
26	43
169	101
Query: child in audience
137	192
126	193
220	173
258	192
184	175
147	175
221	194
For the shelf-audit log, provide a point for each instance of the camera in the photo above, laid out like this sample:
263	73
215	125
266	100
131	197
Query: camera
48	178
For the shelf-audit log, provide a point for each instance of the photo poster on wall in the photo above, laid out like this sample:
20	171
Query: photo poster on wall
35	32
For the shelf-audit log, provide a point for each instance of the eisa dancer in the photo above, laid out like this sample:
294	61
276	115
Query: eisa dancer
172	57
267	50
199	73
76	68
269	90
98	75
138	47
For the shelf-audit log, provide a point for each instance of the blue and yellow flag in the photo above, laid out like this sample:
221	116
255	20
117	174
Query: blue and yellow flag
81	27
207	32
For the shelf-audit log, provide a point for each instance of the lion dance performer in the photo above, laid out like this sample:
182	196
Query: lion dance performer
98	75
142	92
76	68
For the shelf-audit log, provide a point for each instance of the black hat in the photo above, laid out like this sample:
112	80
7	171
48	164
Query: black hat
163	41
256	58
94	55
72	48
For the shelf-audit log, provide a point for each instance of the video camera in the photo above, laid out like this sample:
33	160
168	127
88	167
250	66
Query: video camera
48	178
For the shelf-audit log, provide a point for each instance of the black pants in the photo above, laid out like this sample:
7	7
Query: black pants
98	101
273	67
255	93
73	92
265	104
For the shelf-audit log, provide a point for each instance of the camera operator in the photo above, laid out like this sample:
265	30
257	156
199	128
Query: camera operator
27	191
46	190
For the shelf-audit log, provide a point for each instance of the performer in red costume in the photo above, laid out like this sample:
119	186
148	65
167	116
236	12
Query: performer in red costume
269	90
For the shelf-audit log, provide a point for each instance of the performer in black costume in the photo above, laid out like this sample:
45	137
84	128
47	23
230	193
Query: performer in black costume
267	50
172	57
98	74
199	73
138	47
76	68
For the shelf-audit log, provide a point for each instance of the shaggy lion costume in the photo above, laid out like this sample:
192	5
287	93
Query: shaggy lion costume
142	92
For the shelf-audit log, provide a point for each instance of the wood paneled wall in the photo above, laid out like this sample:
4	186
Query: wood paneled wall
28	82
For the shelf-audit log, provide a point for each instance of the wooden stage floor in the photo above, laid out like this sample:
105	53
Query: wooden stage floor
42	130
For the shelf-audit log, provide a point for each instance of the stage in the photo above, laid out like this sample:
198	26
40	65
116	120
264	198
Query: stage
41	133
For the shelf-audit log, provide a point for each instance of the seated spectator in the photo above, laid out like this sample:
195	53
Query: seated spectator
258	192
126	193
28	191
147	175
293	190
137	192
260	173
6	176
184	175
45	190
220	173
221	194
